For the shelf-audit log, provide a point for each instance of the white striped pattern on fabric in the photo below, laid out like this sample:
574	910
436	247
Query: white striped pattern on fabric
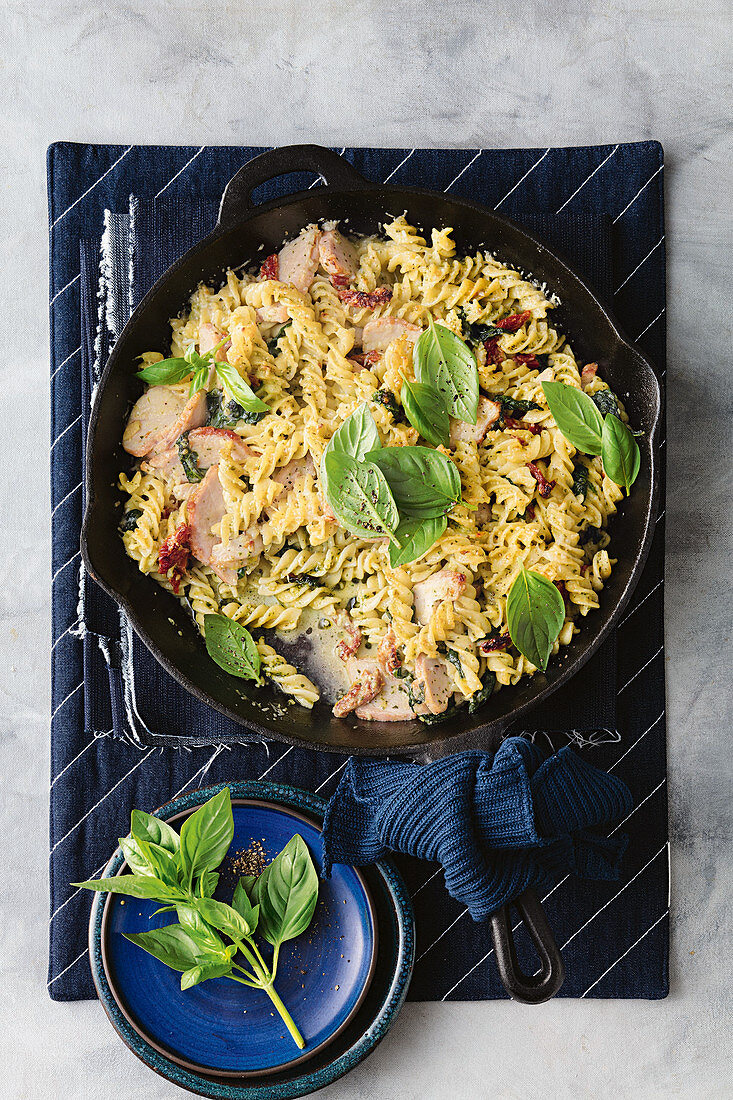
587	179
62	567
641	602
644	332
66	429
520	181
179	173
639	738
639	671
631	275
330	777
628	950
396	170
90	189
463	170
618	216
66	360
63	288
66	699
64	499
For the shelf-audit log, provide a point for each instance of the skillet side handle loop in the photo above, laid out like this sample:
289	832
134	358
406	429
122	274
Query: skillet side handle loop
236	202
534	989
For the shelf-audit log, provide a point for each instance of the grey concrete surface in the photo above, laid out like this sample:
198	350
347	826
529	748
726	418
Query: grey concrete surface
401	73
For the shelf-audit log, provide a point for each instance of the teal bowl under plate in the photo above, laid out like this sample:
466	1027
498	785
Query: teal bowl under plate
344	981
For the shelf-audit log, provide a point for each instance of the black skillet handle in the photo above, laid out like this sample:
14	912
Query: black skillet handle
236	201
534	989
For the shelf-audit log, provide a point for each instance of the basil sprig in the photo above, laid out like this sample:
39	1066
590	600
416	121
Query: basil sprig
232	647
426	411
580	421
423	482
443	361
278	906
535	612
170	371
355	437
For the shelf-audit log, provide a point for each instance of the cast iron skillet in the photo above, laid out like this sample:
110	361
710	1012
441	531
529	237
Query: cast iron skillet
242	229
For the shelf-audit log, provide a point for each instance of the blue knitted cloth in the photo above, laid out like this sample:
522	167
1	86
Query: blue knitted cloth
496	825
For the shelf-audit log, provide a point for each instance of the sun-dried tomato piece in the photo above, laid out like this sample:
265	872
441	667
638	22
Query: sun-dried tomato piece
174	553
363	299
491	645
366	358
545	486
494	353
340	280
271	267
514	321
562	589
530	361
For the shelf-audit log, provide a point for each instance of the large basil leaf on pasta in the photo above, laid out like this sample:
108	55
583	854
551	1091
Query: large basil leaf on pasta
442	360
535	613
356	437
232	647
415	537
360	496
620	452
237	388
426	412
166	372
424	482
575	415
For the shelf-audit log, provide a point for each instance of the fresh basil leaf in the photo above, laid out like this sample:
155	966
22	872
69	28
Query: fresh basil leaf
172	945
147	827
189	459
355	437
135	857
575	415
163	865
360	496
620	452
415	537
207	883
165	373
245	885
288	892
209	968
232	647
227	919
134	886
426	412
443	361
423	482
535	612
199	380
239	389
204	936
206	835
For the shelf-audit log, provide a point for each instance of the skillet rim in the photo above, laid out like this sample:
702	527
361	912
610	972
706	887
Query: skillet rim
443	740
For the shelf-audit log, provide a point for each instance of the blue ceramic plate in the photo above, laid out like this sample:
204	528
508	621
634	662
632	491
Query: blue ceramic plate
225	1040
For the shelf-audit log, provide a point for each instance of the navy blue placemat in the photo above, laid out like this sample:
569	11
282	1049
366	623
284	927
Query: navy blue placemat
135	209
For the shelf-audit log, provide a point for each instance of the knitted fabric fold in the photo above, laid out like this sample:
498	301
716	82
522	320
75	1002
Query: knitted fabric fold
497	825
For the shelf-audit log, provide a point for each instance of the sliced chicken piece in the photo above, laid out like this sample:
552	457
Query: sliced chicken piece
432	679
209	337
159	417
338	257
488	413
276	314
379	333
226	561
298	260
207	444
366	683
205	508
443	585
390	703
295	469
388	654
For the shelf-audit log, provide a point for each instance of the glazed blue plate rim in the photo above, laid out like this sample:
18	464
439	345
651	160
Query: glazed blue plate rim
307	1082
295	815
